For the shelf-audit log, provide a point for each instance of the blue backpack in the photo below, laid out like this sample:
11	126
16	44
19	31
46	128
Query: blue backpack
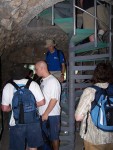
102	108
24	105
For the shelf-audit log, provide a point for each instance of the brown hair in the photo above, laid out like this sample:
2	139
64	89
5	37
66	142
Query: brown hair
103	73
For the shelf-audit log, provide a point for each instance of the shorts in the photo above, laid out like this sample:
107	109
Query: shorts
102	14
56	74
29	134
51	128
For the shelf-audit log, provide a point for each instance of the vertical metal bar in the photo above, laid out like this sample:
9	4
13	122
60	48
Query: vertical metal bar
67	75
74	17
71	99
53	15
110	33
1	113
95	9
2	124
71	6
1	72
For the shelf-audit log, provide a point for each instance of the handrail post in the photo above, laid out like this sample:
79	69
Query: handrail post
53	15
74	18
95	10
110	33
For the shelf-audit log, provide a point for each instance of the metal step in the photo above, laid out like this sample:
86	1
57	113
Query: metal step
82	85
82	77
66	145
64	117
91	57
80	68
64	128
88	47
64	107
64	138
66	24
80	35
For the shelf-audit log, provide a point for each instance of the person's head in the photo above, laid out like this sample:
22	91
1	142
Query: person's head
103	73
50	44
41	69
19	72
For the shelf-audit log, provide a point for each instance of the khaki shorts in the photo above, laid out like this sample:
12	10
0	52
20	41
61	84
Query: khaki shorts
102	14
57	74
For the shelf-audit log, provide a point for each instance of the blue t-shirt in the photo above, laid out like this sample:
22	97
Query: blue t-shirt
54	60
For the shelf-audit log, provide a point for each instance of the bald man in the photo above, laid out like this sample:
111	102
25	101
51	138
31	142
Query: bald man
50	112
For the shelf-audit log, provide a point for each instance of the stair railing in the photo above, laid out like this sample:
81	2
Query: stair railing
94	16
110	34
53	15
2	125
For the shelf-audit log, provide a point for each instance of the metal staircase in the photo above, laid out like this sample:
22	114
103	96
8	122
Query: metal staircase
82	61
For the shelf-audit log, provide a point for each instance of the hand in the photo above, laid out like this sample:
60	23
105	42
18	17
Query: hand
44	117
61	78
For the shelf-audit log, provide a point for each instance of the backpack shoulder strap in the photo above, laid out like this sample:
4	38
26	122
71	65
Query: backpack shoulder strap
59	52
109	89
95	87
28	83
47	53
14	84
110	86
93	103
99	91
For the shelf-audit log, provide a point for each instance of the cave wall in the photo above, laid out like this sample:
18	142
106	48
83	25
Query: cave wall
15	15
21	43
32	49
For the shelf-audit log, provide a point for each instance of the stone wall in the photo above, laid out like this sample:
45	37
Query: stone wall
15	16
31	48
20	43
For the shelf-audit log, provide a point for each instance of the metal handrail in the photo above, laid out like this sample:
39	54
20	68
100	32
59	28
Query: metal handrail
110	35
94	16
91	15
74	14
74	18
95	6
53	15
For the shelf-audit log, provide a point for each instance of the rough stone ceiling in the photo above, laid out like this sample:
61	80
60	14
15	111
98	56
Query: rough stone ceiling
15	15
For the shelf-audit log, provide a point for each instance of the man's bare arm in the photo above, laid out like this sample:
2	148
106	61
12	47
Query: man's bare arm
63	68
6	108
41	103
50	107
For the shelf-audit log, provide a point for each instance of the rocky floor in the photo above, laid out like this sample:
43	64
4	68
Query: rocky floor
5	137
